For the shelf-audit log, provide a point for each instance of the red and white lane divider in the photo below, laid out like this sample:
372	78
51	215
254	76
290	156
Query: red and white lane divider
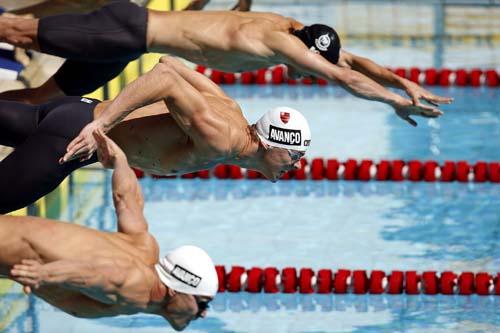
365	170
433	77
342	281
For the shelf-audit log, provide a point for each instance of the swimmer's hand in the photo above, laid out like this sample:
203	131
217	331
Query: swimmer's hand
108	152
30	273
405	108
84	145
418	93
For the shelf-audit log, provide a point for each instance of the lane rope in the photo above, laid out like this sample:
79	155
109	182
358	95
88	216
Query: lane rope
364	170
342	281
444	77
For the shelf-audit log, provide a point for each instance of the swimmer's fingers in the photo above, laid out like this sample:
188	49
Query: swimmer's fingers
100	138
86	158
104	150
82	152
108	151
71	153
410	121
76	141
436	100
27	273
102	144
426	111
28	268
406	117
28	284
23	272
82	146
428	115
27	290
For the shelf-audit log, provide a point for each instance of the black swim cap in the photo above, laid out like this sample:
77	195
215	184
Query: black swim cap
321	38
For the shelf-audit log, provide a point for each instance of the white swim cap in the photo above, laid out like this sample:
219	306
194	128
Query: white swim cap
188	269
284	127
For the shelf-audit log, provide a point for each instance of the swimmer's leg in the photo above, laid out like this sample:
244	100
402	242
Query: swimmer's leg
32	169
77	78
74	78
17	122
116	32
55	7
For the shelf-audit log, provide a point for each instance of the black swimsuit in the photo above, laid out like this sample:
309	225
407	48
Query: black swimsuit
40	135
98	45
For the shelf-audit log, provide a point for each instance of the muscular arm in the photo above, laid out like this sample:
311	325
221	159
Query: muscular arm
372	70
128	200
185	102
127	195
387	78
163	82
99	279
296	54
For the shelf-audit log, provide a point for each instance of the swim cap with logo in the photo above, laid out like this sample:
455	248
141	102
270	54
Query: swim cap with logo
284	127
188	269
321	39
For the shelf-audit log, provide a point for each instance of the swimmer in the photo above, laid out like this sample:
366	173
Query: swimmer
181	122
91	274
99	45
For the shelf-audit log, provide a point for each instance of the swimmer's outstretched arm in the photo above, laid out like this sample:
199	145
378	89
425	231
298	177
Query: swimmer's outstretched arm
295	53
127	195
185	103
387	78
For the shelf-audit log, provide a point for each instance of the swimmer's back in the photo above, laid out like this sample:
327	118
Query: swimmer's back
39	238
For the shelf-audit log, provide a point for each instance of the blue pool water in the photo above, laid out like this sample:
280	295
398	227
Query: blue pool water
353	225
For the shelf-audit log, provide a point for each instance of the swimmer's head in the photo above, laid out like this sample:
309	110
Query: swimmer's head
321	39
285	134
192	283
189	270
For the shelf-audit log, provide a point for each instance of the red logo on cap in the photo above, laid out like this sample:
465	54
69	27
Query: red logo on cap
285	117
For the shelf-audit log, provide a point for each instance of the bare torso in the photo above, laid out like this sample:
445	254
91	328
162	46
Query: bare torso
47	241
154	142
229	41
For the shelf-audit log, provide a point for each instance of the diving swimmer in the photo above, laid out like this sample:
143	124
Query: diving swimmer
172	120
92	274
100	44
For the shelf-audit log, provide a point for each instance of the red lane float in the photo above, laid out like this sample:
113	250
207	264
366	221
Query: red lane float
365	170
306	281
271	275
444	77
377	282
254	280
326	281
